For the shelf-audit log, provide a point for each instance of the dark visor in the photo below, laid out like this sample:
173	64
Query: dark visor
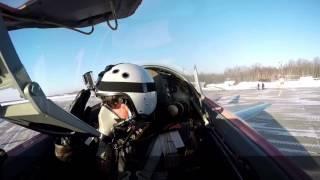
126	87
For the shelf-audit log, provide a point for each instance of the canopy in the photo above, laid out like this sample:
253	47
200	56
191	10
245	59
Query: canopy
66	13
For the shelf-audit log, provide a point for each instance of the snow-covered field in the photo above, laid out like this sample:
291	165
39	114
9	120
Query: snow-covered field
303	82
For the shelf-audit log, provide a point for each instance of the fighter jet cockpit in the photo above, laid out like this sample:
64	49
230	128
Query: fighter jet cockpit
129	121
139	111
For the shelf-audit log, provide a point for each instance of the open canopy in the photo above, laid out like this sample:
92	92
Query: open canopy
66	13
38	112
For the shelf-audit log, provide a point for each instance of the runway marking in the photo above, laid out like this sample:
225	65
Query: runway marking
280	92
3	122
10	143
273	141
6	134
290	134
298	151
286	129
12	137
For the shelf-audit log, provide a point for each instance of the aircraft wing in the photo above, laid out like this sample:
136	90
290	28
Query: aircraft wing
244	111
251	111
234	100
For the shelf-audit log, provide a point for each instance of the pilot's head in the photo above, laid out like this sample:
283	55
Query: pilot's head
130	84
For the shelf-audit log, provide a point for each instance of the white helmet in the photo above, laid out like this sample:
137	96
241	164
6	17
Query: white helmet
130	80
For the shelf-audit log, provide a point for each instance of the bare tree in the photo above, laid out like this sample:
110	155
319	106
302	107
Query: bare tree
258	72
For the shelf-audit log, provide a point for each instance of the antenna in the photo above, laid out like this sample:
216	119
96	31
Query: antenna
196	80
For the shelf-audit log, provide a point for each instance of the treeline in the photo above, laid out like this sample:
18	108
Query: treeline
257	72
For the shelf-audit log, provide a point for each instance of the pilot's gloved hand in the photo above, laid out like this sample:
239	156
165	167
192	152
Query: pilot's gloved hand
105	156
63	150
105	139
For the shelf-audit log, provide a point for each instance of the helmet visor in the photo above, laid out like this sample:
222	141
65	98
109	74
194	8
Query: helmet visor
112	100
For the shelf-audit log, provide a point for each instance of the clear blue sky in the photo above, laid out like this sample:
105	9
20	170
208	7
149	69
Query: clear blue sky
213	34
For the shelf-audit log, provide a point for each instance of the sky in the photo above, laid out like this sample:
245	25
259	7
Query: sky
212	34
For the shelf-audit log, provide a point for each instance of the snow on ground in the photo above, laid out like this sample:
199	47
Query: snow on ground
291	123
12	135
303	82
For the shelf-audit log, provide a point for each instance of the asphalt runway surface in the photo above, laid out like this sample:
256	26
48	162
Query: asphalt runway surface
12	135
291	123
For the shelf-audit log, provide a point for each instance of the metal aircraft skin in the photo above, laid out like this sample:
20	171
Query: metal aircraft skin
203	140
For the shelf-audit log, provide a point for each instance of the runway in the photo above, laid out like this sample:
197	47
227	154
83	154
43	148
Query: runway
291	123
12	135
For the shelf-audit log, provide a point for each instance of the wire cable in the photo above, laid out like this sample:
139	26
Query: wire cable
48	23
114	14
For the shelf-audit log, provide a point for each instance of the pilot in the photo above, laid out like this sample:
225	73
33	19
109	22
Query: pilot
126	91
